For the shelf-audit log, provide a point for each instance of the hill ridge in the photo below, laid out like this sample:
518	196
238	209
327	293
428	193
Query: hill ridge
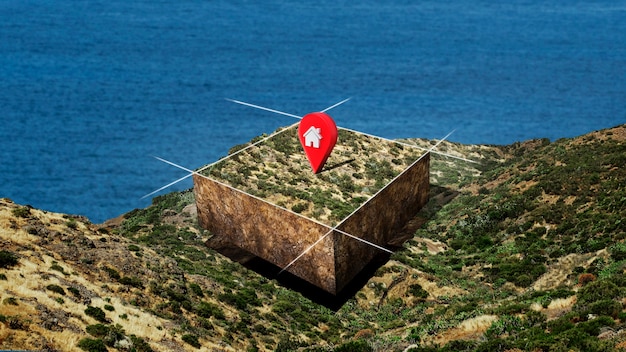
522	251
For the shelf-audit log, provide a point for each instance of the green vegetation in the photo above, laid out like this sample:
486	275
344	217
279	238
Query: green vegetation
96	313
56	289
529	210
21	212
71	223
192	340
92	345
354	346
55	266
12	301
7	259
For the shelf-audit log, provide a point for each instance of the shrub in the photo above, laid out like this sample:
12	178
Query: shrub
241	299
192	340
114	335
113	274
354	346
586	278
505	324
596	291
140	345
97	330
91	345
133	248
607	307
195	288
72	224
16	324
207	310
618	251
10	301
299	207
287	344
131	281
109	307
3	277
7	259
417	291
56	288
58	268
594	326
74	291
21	212
96	313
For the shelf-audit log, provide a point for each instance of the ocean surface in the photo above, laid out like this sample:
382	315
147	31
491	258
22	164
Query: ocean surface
91	90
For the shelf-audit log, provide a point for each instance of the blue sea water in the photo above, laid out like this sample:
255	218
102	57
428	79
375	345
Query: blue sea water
90	90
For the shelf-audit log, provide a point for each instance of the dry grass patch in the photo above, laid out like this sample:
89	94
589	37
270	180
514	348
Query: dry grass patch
557	273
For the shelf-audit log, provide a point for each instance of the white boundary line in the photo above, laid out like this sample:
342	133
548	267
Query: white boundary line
221	159
332	228
350	130
361	206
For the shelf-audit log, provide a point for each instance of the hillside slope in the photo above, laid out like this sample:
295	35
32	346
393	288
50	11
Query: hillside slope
524	251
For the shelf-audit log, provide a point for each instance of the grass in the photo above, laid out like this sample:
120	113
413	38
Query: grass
357	169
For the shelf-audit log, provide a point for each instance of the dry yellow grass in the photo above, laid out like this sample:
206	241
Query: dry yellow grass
557	273
39	265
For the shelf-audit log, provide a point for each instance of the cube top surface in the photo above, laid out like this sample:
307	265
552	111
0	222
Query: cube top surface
277	171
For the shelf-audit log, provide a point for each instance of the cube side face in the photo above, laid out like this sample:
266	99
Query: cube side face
378	220
267	231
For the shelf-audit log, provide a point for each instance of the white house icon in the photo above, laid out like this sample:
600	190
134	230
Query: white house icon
312	137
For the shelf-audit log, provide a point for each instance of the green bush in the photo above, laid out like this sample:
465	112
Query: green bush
131	281
355	346
21	212
3	277
417	291
113	274
97	330
91	345
596	291
7	259
140	345
505	324
133	248
196	289
12	301
56	288
207	310
299	207
618	251
72	224
96	313
109	307
241	299
594	326
192	340
58	268
606	307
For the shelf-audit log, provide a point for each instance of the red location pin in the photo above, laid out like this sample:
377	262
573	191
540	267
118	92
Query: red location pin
318	134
